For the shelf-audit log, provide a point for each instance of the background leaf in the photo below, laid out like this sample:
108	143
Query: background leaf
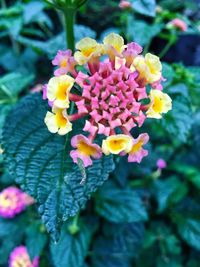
71	250
118	245
144	7
119	205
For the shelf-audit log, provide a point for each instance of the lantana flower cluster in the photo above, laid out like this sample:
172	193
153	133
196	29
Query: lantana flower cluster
114	88
19	257
13	201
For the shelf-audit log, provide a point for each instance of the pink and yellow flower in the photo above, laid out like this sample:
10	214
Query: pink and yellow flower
85	149
110	93
58	89
113	45
13	201
159	103
66	63
148	67
88	49
137	151
116	144
19	257
57	121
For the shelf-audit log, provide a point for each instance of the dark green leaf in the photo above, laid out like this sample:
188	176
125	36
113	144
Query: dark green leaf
177	122
169	190
11	234
118	246
119	205
187	219
47	174
36	239
71	250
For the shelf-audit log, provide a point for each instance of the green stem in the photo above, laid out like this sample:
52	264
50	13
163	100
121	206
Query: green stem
166	48
69	15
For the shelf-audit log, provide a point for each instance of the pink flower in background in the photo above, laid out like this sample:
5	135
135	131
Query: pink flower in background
13	201
37	88
19	257
124	4
161	164
179	24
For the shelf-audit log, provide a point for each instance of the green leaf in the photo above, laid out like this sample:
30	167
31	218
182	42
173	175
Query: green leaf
189	230
168	191
71	250
179	89
118	245
191	173
142	32
187	219
56	43
144	7
43	167
168	74
11	235
31	10
119	205
177	122
36	239
12	84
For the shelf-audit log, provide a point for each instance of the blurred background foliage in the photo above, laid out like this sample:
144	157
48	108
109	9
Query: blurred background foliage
142	216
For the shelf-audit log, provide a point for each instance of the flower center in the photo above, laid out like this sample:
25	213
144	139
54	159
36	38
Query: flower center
117	145
86	149
5	201
136	147
87	52
157	104
63	63
62	90
22	262
60	119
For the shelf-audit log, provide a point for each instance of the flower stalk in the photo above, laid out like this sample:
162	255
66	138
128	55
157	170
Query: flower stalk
69	15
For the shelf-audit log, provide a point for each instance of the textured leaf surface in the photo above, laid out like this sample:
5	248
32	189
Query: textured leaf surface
42	165
120	205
